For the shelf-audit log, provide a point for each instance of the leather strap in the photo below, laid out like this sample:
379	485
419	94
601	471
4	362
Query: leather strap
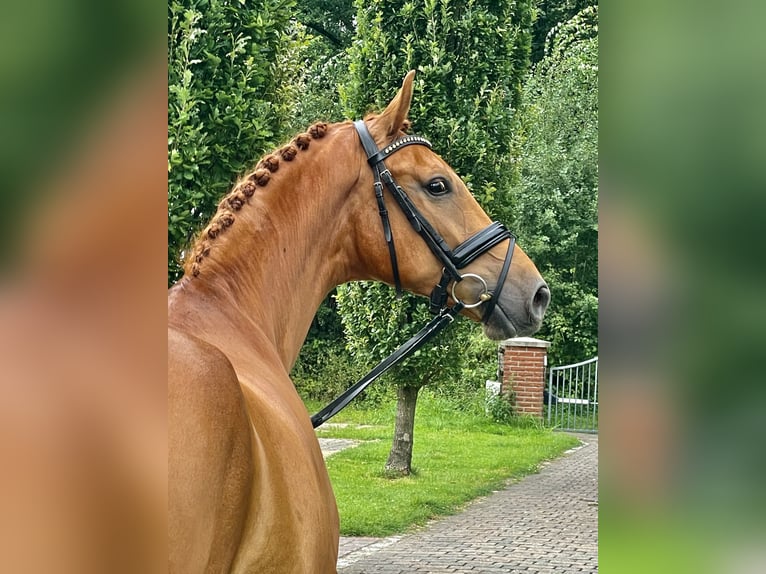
388	234
371	149
419	223
395	146
479	243
438	299
413	344
433	239
490	305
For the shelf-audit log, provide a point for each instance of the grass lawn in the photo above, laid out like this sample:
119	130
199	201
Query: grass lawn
457	456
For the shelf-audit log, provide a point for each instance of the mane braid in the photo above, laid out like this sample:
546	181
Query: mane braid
243	190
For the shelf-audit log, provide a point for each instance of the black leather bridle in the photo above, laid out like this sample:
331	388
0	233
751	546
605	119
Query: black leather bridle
452	260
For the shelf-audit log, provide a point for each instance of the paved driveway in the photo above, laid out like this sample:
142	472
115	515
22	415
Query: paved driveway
545	523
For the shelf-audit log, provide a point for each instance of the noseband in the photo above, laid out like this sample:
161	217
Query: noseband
452	260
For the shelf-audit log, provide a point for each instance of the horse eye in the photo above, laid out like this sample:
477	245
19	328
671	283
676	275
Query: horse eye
437	187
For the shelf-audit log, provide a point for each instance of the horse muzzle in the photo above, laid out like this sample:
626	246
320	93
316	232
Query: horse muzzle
518	312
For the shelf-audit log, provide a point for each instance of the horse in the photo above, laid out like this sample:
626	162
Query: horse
248	487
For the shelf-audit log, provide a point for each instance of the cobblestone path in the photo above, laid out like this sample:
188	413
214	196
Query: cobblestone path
546	523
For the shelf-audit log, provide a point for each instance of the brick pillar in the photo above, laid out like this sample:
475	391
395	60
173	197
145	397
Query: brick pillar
522	370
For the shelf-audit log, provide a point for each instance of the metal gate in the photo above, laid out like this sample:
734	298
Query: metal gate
572	397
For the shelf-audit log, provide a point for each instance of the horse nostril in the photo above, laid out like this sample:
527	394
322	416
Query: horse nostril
540	301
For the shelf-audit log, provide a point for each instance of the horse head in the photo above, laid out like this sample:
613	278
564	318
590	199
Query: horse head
475	261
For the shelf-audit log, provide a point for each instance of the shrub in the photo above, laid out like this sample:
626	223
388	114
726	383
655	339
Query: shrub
224	104
327	375
557	192
500	407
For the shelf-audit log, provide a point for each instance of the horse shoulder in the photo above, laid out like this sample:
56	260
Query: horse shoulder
210	466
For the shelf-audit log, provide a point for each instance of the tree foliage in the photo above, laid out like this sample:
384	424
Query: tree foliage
224	102
549	14
331	20
556	196
318	68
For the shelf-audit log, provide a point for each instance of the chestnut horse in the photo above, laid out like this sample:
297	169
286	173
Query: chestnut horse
248	488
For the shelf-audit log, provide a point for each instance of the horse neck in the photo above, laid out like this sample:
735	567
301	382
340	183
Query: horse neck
288	248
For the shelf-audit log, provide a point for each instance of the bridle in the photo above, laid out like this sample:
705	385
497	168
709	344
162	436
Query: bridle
452	260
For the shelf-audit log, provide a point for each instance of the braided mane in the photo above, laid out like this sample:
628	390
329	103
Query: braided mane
241	193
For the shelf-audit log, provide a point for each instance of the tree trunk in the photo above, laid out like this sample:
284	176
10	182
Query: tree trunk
400	457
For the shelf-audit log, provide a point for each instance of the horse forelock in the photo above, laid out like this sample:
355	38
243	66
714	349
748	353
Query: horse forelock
241	193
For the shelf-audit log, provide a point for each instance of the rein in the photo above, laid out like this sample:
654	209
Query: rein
453	260
418	340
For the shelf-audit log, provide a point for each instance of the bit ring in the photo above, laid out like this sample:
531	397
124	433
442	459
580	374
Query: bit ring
485	296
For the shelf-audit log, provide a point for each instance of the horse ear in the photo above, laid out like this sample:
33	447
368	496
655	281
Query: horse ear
391	120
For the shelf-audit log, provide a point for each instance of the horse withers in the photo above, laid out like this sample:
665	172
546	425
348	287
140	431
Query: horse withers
248	488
